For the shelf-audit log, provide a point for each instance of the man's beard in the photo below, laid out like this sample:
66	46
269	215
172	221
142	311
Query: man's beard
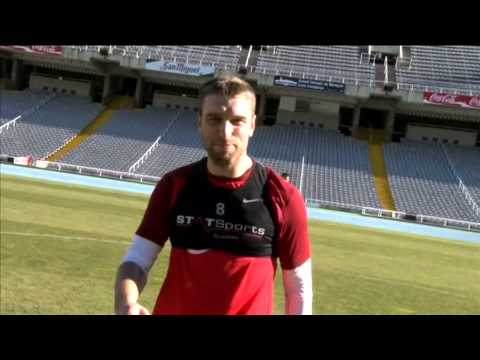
221	159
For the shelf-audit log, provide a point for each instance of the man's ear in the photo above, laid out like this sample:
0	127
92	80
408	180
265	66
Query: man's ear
199	120
254	122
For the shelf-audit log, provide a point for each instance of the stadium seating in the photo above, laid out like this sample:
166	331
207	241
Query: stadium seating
280	147
180	146
441	67
46	129
218	56
335	168
423	183
122	140
466	161
338	169
14	103
210	55
335	63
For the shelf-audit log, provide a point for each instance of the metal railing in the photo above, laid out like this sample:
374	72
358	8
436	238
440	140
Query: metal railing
26	113
140	52
400	85
386	70
317	203
262	70
86	170
301	173
368	58
395	215
313	203
418	87
5	126
155	144
463	189
249	54
450	223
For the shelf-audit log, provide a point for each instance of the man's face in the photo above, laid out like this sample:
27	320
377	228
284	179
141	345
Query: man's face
226	125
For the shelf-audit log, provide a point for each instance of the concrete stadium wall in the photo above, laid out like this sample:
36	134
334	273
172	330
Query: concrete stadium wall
324	114
162	100
416	132
68	86
325	120
287	103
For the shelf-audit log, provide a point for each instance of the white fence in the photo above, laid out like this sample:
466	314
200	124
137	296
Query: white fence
85	170
396	215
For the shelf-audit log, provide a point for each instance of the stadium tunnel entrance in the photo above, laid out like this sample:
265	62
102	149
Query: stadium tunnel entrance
345	124
373	118
5	69
271	109
127	86
373	125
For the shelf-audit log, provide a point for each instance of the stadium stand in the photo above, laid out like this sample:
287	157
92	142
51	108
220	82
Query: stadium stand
430	179
121	140
466	162
333	63
14	103
211	55
46	129
338	169
423	183
441	68
180	146
280	147
218	56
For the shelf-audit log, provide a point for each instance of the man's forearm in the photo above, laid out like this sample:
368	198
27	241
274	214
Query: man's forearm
131	280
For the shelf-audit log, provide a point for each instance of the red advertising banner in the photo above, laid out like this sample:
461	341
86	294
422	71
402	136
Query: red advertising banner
447	99
37	49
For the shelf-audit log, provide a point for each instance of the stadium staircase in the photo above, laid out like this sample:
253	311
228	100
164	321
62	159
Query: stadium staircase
119	102
375	152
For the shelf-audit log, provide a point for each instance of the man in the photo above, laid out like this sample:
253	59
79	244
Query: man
286	176
228	219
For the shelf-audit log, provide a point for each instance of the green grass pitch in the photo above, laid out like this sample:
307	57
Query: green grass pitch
61	246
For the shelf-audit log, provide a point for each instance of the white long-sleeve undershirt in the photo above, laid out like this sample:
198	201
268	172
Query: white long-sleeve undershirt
142	252
297	285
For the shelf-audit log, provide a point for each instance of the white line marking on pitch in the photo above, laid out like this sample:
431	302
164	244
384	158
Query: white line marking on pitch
63	237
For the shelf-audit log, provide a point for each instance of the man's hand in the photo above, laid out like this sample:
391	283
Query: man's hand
134	309
131	280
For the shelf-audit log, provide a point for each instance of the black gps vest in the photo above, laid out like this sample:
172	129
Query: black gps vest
233	220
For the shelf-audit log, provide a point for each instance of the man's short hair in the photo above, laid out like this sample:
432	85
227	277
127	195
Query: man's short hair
228	86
